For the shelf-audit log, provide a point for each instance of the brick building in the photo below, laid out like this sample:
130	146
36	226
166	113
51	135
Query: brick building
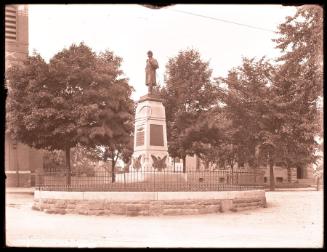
21	161
303	175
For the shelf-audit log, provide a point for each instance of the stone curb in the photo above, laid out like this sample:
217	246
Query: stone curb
149	208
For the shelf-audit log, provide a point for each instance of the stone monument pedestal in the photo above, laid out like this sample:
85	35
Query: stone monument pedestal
150	136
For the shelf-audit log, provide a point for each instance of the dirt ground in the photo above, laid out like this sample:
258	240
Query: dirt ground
292	219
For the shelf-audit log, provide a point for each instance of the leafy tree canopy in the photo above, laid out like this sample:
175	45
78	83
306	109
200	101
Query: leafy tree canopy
78	97
188	95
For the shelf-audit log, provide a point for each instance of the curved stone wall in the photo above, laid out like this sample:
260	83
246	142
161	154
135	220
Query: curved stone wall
147	203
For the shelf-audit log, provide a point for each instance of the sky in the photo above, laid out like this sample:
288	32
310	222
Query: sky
131	30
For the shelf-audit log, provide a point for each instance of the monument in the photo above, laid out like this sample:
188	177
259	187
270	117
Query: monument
150	159
150	133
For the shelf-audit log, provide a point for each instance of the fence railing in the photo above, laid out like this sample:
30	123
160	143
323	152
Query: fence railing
219	180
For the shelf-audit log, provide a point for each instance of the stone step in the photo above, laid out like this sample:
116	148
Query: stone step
236	201
237	209
247	204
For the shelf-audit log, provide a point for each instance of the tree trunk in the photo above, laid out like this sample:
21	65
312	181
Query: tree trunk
289	174
16	164
255	170
113	175
174	163
271	173
68	170
232	174
197	164
206	164
184	164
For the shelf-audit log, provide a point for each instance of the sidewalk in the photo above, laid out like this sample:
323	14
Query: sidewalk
27	190
296	189
30	190
291	220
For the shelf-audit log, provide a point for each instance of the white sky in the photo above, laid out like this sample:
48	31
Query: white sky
131	30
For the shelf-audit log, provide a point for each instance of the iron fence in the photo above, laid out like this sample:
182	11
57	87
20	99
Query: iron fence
219	180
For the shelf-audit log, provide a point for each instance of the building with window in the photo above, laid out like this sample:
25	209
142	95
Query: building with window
16	33
21	161
300	175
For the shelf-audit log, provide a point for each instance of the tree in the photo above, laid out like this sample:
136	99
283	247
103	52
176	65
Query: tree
246	96
277	106
122	149
84	160
254	125
188	94
298	83
78	97
301	44
53	161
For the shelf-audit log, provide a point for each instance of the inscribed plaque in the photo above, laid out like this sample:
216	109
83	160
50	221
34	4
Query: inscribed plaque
156	135
139	138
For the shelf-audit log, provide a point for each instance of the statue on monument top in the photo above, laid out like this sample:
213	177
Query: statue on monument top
150	71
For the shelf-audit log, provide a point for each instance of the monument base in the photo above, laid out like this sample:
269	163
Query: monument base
150	136
152	177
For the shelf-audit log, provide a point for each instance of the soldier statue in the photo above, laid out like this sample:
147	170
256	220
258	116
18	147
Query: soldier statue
150	72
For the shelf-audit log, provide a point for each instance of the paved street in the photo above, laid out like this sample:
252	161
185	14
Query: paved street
292	219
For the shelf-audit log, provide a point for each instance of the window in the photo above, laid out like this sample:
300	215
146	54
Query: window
10	23
279	179
299	173
139	138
